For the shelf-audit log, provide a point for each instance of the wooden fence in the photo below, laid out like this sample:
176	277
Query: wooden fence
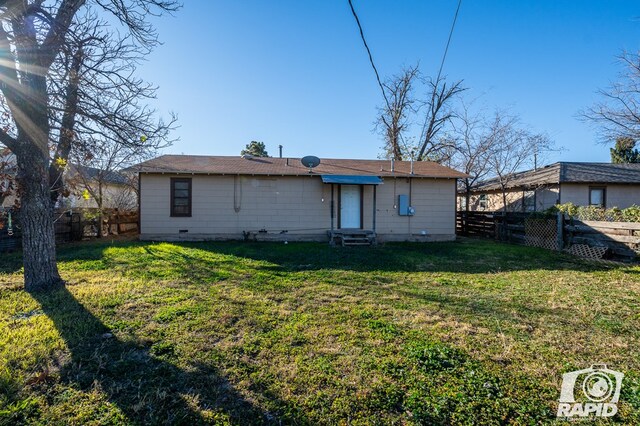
70	226
619	239
615	240
476	224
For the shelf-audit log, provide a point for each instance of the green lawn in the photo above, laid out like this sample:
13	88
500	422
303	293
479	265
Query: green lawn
470	332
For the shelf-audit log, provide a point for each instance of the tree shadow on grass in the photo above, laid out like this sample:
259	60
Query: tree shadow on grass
465	256
10	263
146	388
468	256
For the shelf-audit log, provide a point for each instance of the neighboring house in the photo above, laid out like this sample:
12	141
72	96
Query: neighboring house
215	197
7	172
583	184
117	191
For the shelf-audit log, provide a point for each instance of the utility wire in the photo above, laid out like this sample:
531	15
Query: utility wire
373	65
444	56
446	49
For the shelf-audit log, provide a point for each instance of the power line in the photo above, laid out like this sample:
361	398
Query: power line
373	65
446	49
366	46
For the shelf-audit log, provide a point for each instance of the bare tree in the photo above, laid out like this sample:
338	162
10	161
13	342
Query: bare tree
618	114
102	109
402	108
474	143
99	178
37	82
394	117
126	199
512	149
437	115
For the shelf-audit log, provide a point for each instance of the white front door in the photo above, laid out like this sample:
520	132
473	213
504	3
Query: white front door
350	207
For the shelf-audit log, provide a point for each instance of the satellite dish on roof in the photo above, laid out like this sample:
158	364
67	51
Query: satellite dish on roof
310	161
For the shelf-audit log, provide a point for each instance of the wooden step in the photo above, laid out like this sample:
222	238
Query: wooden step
352	237
364	241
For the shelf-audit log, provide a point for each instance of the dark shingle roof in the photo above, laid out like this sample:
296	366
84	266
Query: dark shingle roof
290	167
568	172
600	173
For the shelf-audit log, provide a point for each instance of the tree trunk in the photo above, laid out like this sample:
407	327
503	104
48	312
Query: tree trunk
504	200
467	194
36	220
100	223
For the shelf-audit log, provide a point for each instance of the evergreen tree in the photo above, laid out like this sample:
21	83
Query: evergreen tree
255	148
625	151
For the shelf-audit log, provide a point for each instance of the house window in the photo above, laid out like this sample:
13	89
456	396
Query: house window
482	201
181	197
597	196
529	201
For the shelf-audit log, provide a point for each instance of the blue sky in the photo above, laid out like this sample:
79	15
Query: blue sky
295	72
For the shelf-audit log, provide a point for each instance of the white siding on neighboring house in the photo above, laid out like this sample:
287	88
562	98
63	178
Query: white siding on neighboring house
114	196
8	201
225	206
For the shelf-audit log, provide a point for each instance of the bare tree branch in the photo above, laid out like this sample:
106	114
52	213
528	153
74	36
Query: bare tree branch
618	114
512	149
393	120
438	113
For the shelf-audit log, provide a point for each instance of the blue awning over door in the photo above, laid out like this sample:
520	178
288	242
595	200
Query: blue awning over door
352	180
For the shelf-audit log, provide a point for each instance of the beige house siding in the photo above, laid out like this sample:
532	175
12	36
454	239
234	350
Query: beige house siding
545	197
617	195
224	207
432	199
621	196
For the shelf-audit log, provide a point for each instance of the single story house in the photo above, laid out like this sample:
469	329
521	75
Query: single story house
583	184
263	198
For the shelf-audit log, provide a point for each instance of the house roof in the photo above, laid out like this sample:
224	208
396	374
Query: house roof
109	177
567	172
222	165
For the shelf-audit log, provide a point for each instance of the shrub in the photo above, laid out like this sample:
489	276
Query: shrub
614	214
